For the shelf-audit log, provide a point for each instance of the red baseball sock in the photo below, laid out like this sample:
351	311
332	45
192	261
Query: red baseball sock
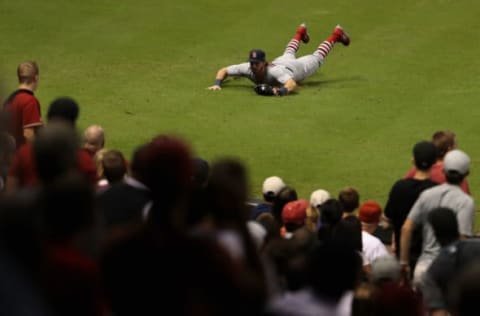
333	38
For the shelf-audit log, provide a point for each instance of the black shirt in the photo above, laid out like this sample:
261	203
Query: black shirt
402	196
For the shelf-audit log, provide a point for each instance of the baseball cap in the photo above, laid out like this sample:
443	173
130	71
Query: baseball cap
456	160
295	212
256	55
385	268
425	154
318	197
272	185
369	212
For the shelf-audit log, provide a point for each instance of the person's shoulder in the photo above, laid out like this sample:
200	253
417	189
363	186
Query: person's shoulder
401	184
84	157
468	197
244	66
122	189
370	239
302	303
262	207
416	184
434	190
471	245
461	251
410	173
24	96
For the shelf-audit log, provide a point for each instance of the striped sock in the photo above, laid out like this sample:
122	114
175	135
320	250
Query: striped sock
293	46
325	48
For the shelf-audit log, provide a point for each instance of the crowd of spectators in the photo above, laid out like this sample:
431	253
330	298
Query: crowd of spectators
85	230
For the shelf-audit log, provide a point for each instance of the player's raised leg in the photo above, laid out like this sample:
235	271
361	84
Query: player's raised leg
294	44
338	35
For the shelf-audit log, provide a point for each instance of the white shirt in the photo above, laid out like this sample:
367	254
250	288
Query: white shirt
372	248
305	303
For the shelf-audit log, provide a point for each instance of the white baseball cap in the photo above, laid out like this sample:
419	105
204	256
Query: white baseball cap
385	268
456	160
319	197
273	184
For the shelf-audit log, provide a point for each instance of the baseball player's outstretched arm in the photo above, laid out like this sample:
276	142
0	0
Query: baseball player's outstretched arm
221	75
288	87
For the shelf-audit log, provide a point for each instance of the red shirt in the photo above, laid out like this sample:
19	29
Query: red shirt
24	109
437	175
73	281
24	170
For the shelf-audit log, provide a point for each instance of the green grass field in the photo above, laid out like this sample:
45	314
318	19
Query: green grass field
140	68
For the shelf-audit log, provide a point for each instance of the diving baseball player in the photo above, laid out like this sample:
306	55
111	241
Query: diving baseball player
280	76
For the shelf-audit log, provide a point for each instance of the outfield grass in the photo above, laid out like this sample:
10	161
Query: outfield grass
142	67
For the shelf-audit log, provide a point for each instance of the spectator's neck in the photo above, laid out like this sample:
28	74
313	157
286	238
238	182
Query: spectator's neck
421	175
27	86
369	228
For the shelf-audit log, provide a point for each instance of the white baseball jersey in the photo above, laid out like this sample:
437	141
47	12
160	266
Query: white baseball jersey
281	69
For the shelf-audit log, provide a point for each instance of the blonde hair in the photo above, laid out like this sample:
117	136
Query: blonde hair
98	159
313	216
27	71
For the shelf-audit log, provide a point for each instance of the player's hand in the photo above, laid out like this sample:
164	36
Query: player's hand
214	87
279	91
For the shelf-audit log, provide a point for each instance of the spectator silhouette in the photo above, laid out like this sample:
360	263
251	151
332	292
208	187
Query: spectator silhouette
369	215
330	215
464	295
22	105
72	276
456	167
7	150
23	171
333	273
21	259
124	204
114	167
93	139
444	141
159	256
270	188
349	199
405	192
455	256
285	195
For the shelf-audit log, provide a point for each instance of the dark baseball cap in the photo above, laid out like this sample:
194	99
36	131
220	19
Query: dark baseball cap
256	55
425	154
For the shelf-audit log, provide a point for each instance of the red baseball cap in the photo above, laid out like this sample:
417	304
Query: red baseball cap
369	212
295	212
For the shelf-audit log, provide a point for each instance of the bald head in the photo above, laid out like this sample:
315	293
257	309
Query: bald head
94	138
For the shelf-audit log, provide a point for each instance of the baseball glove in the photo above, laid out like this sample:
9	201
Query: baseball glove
263	89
